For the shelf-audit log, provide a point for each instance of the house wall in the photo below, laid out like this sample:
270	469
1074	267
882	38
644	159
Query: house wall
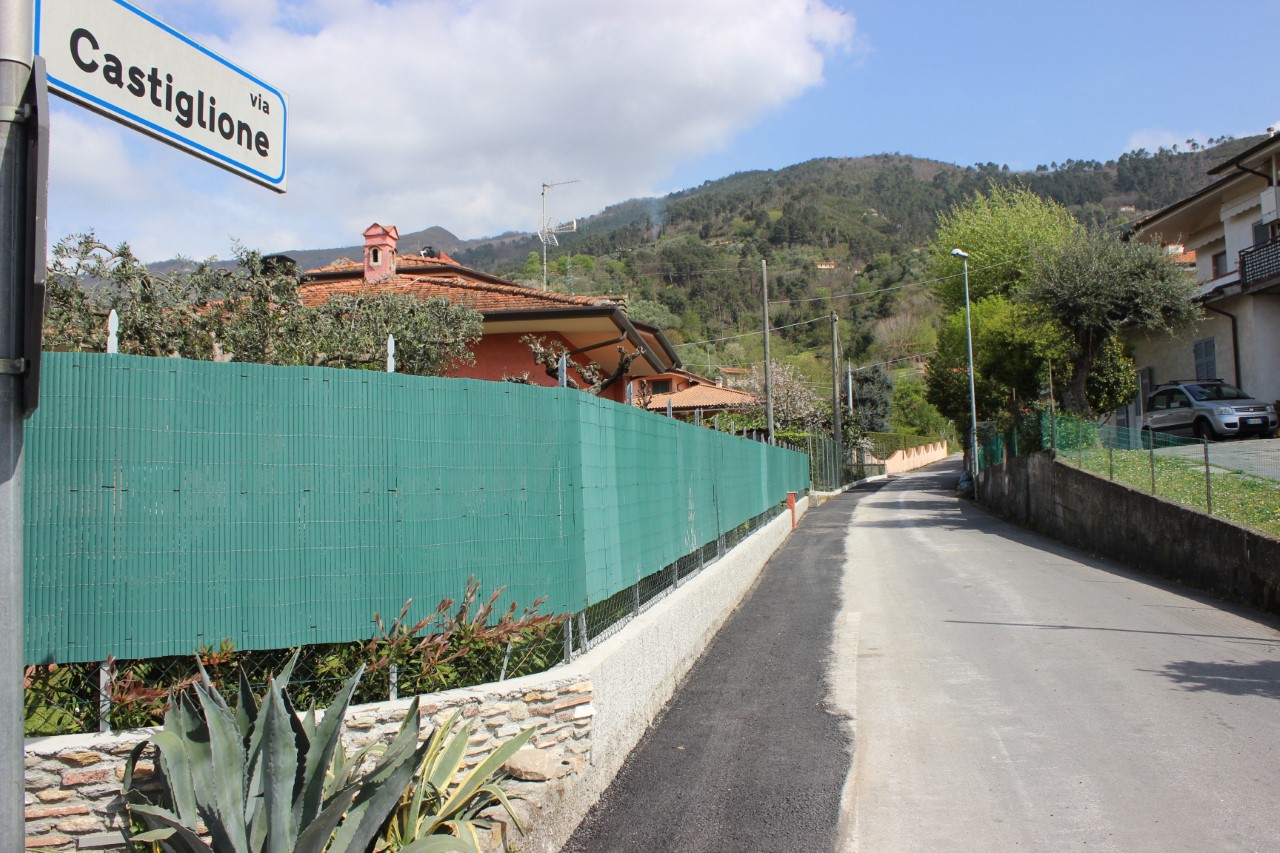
1257	321
1238	215
500	356
1260	345
1173	356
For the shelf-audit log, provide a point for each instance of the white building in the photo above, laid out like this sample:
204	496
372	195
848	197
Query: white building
1233	227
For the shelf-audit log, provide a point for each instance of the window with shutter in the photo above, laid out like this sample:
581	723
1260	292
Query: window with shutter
1261	232
1206	359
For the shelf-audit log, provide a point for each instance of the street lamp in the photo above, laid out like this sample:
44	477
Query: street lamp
973	396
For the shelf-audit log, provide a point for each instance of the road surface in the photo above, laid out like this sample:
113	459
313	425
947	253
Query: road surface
996	691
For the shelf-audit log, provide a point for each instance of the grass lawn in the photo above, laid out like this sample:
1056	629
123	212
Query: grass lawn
1236	496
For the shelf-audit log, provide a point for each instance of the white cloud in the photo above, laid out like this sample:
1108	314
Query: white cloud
426	112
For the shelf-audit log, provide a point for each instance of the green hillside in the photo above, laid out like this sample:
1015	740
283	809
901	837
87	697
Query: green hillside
839	235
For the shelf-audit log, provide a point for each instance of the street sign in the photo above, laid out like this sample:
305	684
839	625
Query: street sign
119	61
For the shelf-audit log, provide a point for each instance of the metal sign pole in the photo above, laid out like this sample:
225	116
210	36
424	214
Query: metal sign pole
16	23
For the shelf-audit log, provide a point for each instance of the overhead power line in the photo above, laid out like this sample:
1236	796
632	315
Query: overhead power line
753	334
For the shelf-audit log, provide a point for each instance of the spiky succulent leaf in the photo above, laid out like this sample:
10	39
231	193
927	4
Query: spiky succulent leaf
373	805
279	767
316	835
450	757
302	742
152	835
324	744
183	744
404	744
500	796
480	774
224	778
184	839
465	829
380	790
246	706
440	844
176	760
283	676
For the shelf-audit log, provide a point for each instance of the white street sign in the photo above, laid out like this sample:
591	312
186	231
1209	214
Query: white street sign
119	61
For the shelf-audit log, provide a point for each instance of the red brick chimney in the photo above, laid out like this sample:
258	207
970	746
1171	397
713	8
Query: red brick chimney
379	252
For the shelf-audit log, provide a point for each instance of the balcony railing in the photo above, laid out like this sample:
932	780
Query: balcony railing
1261	262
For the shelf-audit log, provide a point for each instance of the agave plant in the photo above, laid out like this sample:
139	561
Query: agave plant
442	798
261	779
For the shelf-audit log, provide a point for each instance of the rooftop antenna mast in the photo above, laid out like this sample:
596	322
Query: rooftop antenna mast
547	232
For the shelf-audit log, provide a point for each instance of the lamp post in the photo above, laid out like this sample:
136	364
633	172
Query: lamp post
973	396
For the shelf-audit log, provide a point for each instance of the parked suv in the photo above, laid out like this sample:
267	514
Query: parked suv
1208	408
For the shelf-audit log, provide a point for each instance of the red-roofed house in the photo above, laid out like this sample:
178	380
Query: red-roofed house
590	327
688	393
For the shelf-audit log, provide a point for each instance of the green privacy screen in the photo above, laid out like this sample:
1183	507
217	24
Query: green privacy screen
174	503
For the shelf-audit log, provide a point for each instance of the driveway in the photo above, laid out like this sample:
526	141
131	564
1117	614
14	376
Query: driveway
1256	457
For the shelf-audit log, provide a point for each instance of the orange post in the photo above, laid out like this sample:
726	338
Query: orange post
791	505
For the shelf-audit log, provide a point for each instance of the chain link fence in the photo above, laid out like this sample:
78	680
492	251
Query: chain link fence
117	695
832	466
1237	480
603	619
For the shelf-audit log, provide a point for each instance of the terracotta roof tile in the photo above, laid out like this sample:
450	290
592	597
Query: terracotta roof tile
339	264
484	296
402	262
702	397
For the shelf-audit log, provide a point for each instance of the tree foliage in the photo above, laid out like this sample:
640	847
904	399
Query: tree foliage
1046	291
252	313
1003	231
912	413
872	400
795	405
1095	288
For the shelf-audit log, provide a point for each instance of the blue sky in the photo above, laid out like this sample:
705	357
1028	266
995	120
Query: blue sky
443	112
1023	83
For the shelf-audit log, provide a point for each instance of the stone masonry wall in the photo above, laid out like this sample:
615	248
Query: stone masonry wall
73	781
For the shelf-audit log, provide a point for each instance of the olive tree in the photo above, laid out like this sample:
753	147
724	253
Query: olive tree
250	313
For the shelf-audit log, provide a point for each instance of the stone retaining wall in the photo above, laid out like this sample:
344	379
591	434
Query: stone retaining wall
588	715
1132	526
73	781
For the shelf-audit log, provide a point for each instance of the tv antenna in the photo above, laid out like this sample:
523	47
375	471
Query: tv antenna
547	232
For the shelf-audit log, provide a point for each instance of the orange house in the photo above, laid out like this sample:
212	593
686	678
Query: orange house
591	328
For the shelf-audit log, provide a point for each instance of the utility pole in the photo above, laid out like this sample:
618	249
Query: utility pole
768	383
16	39
835	382
848	385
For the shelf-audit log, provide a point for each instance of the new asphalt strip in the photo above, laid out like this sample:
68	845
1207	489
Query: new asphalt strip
747	756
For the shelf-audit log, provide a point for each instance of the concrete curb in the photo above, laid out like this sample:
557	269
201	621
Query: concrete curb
819	498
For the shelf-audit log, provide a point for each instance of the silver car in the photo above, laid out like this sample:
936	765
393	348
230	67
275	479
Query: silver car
1209	409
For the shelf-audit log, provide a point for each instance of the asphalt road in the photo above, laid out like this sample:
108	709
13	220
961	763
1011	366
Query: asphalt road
1004	693
746	755
1014	694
